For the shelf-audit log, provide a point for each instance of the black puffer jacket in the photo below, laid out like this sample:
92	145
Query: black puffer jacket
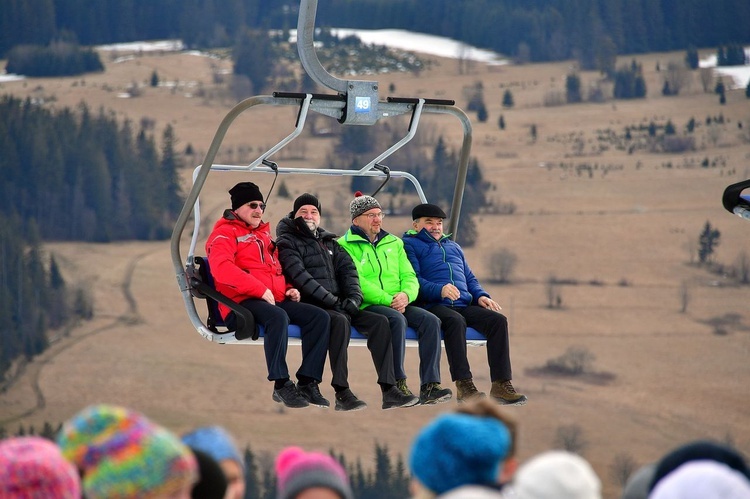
318	267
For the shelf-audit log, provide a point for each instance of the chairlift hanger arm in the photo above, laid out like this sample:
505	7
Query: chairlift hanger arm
735	201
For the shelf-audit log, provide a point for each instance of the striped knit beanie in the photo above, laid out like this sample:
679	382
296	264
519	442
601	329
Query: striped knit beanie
122	454
33	467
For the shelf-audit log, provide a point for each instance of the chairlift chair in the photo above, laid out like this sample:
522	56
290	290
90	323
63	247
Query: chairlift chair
356	102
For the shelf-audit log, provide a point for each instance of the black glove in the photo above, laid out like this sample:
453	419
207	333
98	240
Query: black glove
350	307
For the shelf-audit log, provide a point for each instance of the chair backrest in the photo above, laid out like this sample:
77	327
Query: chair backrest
204	286
214	320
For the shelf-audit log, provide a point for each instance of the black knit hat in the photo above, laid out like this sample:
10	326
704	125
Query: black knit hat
243	193
427	210
306	199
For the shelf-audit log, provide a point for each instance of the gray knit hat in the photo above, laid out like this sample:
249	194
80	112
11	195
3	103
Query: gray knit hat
362	203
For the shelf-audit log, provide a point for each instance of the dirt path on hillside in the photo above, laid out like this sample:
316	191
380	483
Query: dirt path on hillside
32	370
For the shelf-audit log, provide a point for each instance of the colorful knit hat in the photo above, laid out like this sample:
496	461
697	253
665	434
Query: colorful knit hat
214	441
33	467
122	454
297	470
362	203
459	449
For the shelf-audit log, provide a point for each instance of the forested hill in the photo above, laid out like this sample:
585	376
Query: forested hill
84	176
536	30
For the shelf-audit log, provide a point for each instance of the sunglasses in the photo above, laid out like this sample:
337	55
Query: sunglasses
255	205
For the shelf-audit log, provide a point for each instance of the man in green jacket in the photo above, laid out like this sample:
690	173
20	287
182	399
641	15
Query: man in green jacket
389	285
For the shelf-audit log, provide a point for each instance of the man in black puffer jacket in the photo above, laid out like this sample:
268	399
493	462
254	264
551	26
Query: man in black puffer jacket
326	276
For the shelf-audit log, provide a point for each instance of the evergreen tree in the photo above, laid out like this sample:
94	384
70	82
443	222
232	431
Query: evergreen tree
691	58
482	113
253	56
508	99
252	484
154	79
170	164
501	122
719	88
573	88
707	242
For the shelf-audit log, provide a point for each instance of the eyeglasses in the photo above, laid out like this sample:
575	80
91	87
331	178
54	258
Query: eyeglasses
255	205
373	216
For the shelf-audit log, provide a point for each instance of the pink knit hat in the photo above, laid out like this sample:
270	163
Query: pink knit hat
297	470
33	467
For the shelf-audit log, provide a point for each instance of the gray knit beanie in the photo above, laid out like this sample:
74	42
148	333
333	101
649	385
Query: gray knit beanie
362	203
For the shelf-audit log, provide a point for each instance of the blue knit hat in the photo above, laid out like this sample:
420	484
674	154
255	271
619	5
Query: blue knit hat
214	441
459	449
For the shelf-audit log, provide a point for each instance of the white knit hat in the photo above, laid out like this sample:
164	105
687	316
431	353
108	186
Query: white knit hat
557	475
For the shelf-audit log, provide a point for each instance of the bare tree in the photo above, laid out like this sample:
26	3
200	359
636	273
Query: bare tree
691	246
554	295
570	438
575	361
714	133
676	76
707	78
684	294
742	267
622	468
502	264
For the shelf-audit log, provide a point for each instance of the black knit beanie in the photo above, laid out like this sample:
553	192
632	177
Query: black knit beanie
305	199
243	193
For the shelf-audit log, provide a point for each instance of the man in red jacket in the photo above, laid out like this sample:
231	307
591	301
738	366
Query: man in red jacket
244	264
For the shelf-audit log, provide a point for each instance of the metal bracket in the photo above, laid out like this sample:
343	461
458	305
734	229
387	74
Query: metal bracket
361	96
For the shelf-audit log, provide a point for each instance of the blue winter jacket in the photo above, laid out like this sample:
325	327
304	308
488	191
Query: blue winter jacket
438	263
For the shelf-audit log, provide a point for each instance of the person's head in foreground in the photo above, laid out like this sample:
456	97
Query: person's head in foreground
121	453
32	467
310	475
220	445
455	450
557	474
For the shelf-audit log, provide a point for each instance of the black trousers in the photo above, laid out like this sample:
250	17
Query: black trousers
375	328
493	325
314	327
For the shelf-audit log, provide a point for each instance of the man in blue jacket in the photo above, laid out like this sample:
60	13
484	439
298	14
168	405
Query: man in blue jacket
449	289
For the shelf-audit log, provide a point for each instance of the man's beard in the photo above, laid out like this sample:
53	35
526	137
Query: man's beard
311	225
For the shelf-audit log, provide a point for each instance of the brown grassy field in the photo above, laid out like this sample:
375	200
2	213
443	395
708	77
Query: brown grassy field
623	238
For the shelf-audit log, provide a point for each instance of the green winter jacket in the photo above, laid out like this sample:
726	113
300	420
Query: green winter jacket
383	267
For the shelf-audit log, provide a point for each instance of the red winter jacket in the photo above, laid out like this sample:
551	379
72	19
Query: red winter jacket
244	261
